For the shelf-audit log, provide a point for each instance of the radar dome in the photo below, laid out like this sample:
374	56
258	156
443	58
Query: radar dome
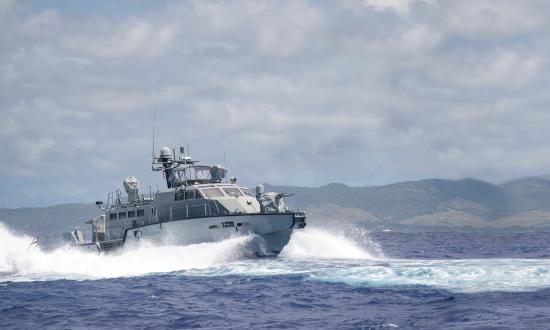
165	152
165	155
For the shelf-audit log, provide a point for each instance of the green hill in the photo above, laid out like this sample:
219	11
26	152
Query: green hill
414	205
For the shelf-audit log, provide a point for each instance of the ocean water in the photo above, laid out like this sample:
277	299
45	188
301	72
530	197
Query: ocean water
333	279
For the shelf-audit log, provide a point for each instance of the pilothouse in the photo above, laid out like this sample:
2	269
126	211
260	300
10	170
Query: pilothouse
199	204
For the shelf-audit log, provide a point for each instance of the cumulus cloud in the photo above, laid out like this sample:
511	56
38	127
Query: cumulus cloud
399	6
5	6
294	92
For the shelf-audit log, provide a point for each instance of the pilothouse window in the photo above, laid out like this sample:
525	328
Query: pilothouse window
112	216
122	215
187	194
131	214
140	213
212	192
233	192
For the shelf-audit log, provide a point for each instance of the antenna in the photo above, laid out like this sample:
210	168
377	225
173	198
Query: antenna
224	166
154	122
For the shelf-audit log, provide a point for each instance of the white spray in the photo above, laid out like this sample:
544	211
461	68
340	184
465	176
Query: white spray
315	253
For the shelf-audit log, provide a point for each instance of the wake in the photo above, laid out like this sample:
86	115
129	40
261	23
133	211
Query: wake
18	262
312	253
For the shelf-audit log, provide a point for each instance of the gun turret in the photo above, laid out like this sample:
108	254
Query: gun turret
272	202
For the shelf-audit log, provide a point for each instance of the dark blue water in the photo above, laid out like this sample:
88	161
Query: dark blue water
405	281
464	245
172	301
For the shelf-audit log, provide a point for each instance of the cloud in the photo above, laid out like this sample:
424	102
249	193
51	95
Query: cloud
400	6
294	92
5	7
487	19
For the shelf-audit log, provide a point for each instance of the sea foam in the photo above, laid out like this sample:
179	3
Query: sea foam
19	261
314	254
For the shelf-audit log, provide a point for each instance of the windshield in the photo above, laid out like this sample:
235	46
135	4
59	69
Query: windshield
212	192
233	192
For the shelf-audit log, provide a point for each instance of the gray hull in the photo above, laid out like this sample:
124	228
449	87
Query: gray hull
269	233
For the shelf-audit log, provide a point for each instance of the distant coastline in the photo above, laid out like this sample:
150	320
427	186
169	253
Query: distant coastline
426	205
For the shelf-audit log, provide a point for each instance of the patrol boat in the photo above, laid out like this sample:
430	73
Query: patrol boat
198	205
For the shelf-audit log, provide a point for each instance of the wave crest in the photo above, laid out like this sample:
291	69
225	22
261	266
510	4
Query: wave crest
317	243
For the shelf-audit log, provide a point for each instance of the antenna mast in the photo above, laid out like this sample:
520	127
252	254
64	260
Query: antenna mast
154	122
224	166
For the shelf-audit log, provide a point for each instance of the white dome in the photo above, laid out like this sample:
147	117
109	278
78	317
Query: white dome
165	152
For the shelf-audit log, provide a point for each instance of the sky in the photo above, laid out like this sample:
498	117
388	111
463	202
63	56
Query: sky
292	92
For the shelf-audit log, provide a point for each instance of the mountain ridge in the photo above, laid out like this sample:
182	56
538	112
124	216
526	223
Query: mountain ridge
440	204
468	201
